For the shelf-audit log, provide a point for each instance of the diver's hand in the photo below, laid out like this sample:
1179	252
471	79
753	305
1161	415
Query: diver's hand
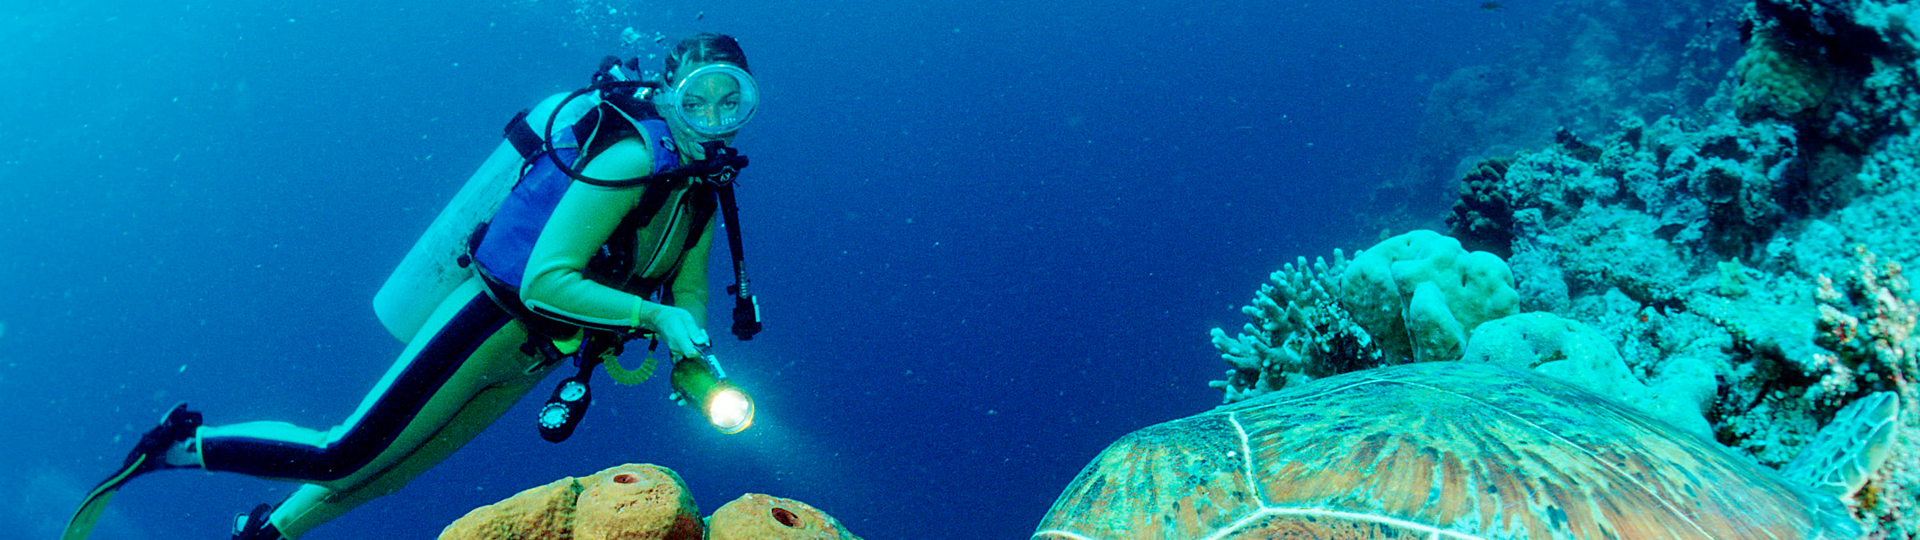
676	328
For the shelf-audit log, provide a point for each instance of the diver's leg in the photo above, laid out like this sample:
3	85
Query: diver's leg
490	376
462	324
429	370
314	505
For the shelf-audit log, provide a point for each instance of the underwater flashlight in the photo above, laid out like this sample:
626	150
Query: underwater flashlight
702	384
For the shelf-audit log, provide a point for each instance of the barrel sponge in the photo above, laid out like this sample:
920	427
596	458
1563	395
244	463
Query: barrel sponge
626	501
1420	294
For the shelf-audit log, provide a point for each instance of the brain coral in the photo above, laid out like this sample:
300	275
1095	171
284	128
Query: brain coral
1420	293
1776	83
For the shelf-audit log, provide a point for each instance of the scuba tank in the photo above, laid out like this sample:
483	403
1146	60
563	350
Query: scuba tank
442	258
439	261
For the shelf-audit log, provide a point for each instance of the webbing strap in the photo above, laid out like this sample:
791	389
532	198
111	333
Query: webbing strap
525	140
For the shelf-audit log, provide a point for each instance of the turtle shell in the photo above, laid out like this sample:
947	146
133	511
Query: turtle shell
1432	450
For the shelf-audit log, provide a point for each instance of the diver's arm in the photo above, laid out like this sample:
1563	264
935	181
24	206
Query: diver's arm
689	285
556	285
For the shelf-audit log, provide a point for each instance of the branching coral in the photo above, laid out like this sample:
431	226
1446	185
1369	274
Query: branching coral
1410	297
1298	332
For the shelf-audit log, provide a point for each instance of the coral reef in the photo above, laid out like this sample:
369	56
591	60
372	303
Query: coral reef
1762	242
1869	330
638	502
1842	74
1589	65
1411	297
1879	341
1736	269
1691	246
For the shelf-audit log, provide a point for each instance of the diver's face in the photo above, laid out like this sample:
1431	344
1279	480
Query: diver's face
709	101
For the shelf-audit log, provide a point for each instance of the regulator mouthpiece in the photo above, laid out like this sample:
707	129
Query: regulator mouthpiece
703	385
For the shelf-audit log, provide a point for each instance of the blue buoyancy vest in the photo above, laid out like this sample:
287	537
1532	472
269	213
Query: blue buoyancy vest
507	240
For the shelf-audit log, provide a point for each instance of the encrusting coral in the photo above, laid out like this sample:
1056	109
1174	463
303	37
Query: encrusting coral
1777	84
1878	341
1573	352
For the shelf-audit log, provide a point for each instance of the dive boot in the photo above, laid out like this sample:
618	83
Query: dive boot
255	525
150	454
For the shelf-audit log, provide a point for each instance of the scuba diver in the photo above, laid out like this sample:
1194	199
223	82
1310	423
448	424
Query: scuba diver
591	226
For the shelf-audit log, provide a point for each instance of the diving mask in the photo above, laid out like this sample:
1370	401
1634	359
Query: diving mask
713	101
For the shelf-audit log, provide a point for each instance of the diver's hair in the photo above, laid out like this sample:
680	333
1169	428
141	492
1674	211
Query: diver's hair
704	48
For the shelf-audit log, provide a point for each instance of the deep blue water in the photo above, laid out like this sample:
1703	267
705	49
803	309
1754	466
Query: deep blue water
989	237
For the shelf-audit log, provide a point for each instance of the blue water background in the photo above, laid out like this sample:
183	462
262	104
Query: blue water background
989	237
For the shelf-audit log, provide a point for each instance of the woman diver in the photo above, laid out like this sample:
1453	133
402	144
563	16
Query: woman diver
550	270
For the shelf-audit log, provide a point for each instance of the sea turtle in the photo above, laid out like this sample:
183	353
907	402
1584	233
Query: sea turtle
1453	450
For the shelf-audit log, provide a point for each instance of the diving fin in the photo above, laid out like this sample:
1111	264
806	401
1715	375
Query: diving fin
81	524
147	456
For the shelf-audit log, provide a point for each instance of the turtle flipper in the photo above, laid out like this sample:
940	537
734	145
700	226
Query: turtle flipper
1857	442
